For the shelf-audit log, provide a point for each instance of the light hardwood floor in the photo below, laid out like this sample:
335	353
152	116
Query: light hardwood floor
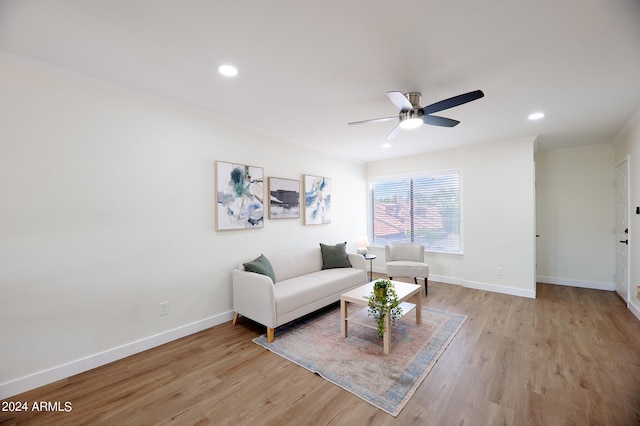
569	357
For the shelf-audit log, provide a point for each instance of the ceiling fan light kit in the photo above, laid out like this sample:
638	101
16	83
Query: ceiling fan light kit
411	120
412	116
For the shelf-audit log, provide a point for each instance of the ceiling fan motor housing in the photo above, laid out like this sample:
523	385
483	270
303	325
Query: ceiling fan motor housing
415	114
412	118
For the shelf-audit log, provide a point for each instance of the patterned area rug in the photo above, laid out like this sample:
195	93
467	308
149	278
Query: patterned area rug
358	363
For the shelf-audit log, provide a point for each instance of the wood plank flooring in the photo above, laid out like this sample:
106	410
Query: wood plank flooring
569	357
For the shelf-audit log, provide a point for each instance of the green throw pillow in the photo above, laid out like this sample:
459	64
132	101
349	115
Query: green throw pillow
261	266
335	256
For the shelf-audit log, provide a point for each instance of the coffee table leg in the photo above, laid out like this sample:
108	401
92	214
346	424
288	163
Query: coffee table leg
419	308
343	318
386	338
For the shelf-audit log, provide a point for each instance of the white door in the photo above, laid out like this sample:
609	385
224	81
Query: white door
622	229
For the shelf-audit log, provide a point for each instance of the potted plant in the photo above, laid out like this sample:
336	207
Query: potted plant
384	301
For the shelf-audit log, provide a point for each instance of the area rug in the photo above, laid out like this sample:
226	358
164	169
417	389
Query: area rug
357	363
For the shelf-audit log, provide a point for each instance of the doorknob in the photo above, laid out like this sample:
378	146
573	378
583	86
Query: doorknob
625	241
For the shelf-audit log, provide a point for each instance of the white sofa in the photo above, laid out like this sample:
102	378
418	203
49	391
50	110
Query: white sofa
301	287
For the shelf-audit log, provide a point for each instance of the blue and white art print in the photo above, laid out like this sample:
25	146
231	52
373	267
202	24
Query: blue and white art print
317	196
239	196
284	198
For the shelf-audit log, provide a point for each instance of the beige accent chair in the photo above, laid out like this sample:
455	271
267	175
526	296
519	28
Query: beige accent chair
406	260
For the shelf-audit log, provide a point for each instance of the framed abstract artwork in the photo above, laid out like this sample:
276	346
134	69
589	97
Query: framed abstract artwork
239	196
317	200
284	198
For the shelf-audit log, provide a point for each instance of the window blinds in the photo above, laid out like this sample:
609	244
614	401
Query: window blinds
422	208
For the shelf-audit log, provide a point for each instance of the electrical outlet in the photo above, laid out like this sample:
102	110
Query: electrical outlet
164	308
500	271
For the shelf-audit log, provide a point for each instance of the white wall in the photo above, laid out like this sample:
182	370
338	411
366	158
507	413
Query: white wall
498	205
499	217
575	216
629	144
107	209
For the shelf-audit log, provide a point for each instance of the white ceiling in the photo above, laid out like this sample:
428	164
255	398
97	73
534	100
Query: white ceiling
308	68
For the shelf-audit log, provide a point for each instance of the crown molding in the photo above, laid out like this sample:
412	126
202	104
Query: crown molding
67	74
630	124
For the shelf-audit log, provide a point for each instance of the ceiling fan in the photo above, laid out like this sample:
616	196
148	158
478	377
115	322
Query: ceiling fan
412	115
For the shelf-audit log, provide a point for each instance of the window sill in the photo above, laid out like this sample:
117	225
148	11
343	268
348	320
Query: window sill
427	251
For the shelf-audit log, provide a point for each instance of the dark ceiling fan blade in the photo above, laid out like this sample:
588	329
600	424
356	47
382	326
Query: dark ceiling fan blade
394	132
453	102
400	101
373	120
434	120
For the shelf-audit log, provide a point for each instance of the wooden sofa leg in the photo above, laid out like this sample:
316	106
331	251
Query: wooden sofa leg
270	334
426	287
235	318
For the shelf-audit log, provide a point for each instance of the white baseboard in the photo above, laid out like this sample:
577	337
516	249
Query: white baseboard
446	280
634	309
41	378
596	285
495	288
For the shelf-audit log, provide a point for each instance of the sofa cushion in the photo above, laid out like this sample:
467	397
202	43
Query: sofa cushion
306	289
260	265
335	256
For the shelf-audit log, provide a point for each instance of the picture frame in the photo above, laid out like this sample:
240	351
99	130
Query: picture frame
317	200
239	196
284	198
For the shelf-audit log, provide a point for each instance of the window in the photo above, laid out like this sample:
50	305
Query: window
422	209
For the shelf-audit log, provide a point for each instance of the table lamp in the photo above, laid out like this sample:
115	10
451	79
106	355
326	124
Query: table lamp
362	242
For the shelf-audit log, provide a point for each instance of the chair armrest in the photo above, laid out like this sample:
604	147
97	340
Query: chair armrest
253	297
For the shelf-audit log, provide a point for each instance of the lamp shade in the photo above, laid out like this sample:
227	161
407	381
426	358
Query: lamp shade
362	242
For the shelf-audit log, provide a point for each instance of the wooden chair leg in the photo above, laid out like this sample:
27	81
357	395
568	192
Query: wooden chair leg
235	318
415	280
270	334
426	287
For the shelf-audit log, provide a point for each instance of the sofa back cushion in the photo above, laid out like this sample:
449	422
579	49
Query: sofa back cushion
293	263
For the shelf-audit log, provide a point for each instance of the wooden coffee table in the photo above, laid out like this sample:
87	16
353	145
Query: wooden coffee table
409	296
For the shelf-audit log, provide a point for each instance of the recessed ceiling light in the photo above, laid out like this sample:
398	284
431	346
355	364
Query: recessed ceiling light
536	116
386	145
228	70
